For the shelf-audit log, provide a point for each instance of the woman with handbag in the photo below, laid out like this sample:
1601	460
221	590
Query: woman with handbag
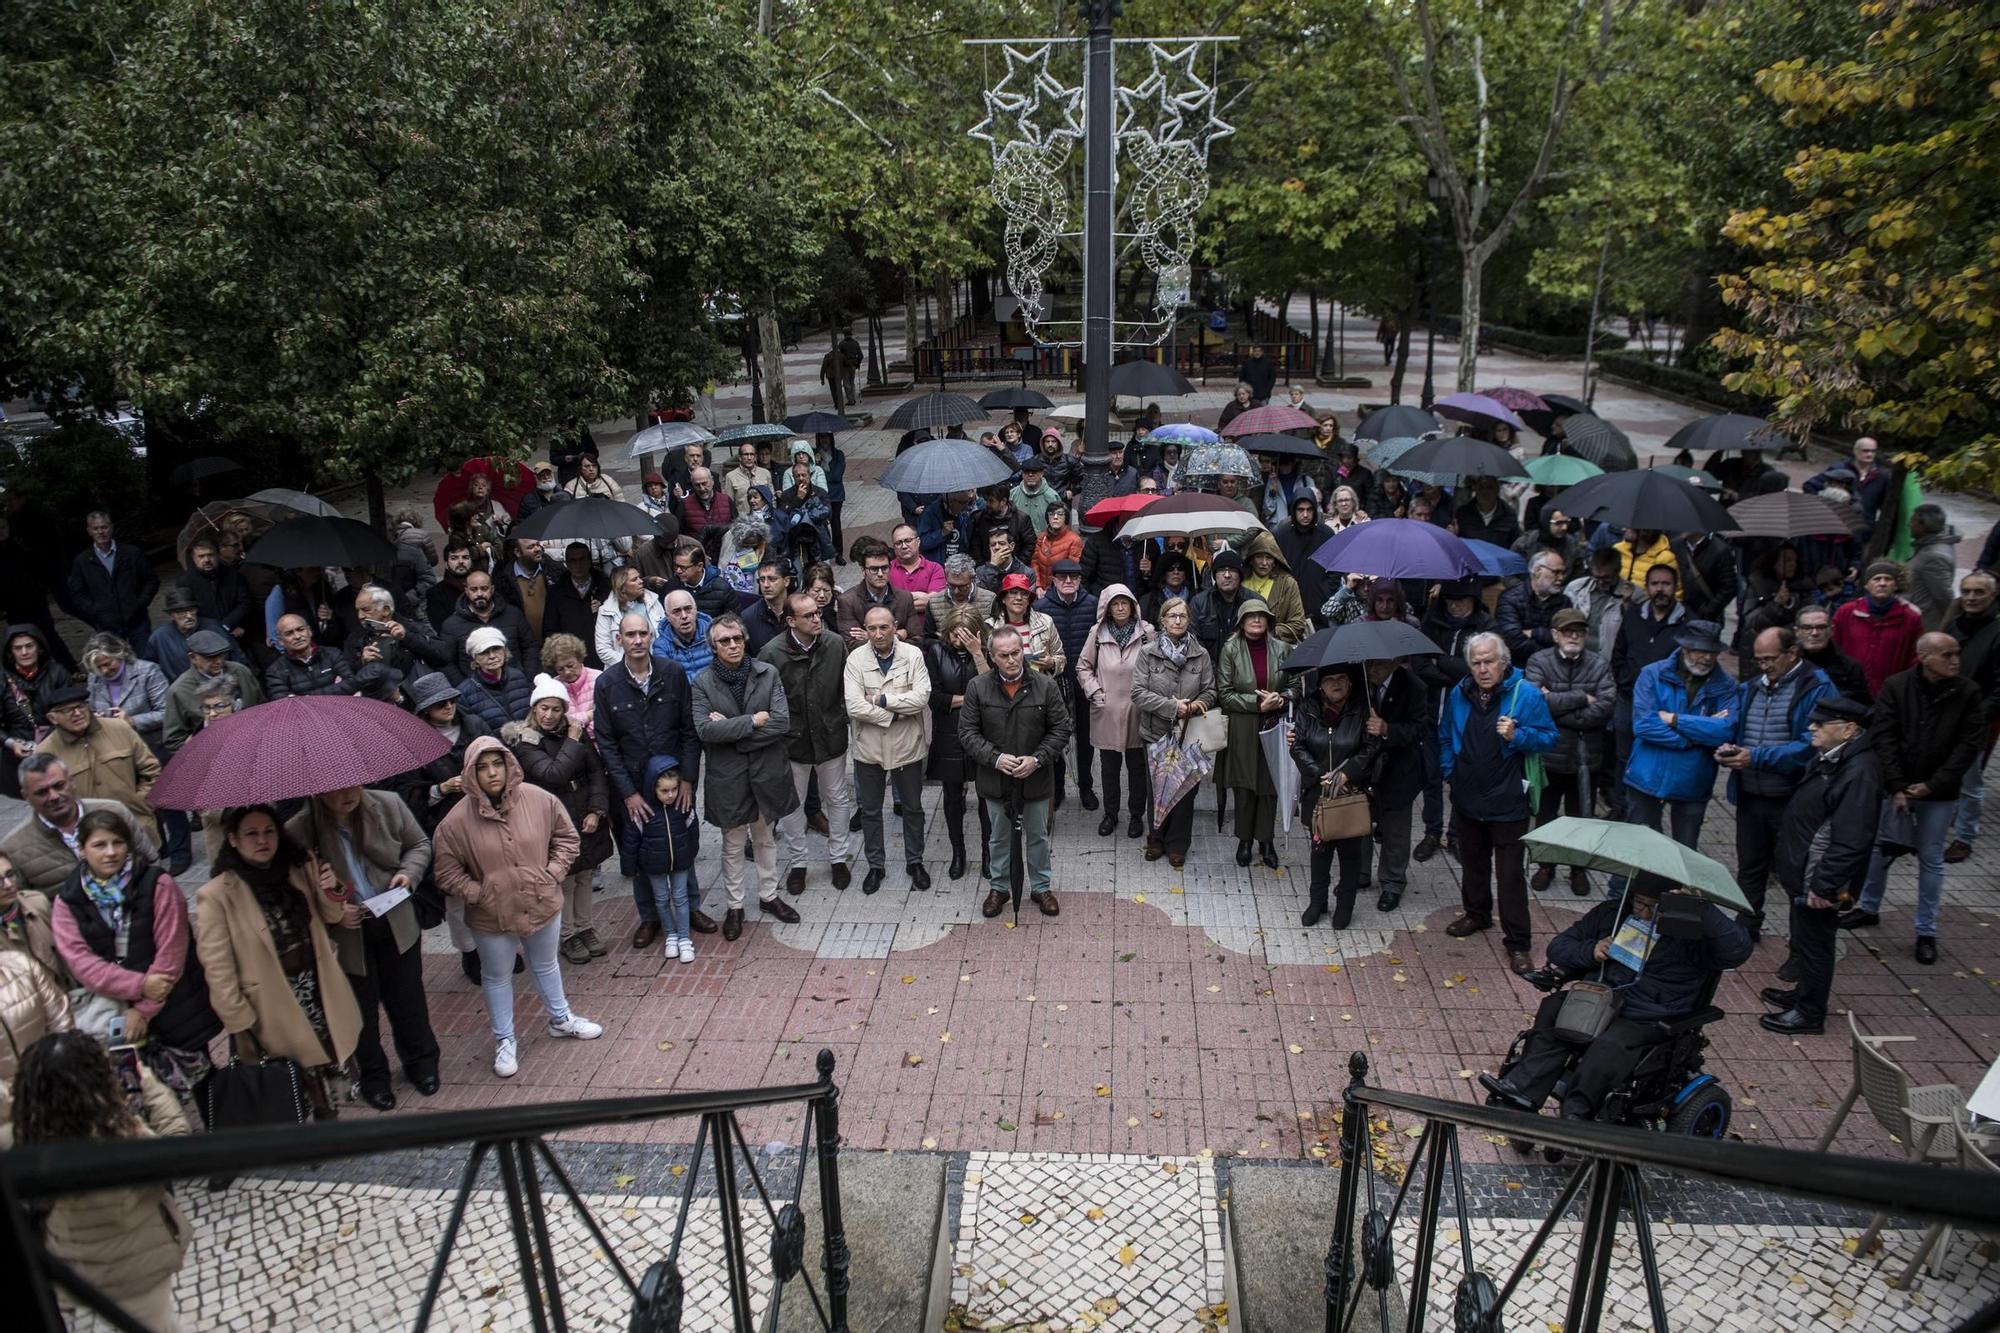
955	658
121	930
557	757
376	848
126	1242
273	976
1248	681
1104	671
1172	686
1336	756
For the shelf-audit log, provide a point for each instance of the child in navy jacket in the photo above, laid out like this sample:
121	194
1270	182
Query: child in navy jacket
667	844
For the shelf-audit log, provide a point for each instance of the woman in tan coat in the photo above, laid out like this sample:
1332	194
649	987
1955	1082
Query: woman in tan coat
504	851
273	976
24	920
1104	673
32	1005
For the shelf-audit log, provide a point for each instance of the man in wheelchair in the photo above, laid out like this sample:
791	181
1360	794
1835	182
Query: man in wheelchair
1653	965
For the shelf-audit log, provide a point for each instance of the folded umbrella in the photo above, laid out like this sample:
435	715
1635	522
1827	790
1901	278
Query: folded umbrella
1476	408
1462	456
1360	641
1388	423
1632	849
1650	500
1282	446
1495	562
1275	740
935	409
666	437
1596	439
1731	431
1789	514
937	467
295	747
1008	399
310	542
1148	379
1562	470
1397	548
592	518
1270	419
818	423
1118	506
754	431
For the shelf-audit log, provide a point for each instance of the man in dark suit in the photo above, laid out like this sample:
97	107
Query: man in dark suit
110	586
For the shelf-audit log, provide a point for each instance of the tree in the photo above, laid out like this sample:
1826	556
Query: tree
1874	300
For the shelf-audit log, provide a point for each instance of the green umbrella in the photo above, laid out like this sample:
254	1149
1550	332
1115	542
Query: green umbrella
1631	849
1562	470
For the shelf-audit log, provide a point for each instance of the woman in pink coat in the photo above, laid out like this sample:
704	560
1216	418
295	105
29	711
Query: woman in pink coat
1104	673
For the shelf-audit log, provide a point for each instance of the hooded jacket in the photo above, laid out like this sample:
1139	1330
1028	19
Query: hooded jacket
506	859
1104	671
1534	733
48	677
1287	605
1677	763
1932	568
669	840
1297	544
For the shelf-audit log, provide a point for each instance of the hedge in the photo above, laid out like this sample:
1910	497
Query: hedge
1524	340
1693	384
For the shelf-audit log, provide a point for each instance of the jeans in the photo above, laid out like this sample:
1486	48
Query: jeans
1933	827
831	778
1034	844
1683	823
496	974
1133	761
174	840
763	850
1489	856
1971	796
908	780
670	899
642	896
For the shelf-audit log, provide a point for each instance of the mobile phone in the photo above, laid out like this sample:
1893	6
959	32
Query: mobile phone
125	1060
377	627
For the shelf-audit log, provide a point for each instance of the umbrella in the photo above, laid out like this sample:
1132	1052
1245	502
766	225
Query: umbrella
1067	412
1518	401
1276	417
1183	433
1360	641
1555	406
1118	506
752	431
1562	470
935	409
295	500
1495	561
1148	379
1731	430
1007	399
201	469
1278	763
1632	849
1790	514
1476	408
1389	423
1599	441
1397	548
592	518
1384	453
1232	521
1650	500
936	467
1285	446
294	747
308	543
1219	460
260	512
818	423
1462	456
666	437
1694	476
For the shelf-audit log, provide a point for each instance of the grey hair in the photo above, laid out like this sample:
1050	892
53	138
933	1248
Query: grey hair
106	644
727	620
41	761
374	593
960	565
1545	555
631	616
1002	631
1478	641
222	687
1927	518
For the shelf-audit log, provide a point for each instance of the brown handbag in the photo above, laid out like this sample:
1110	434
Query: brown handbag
1343	816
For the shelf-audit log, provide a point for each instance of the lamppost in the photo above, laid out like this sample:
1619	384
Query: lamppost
1433	246
753	357
1099	247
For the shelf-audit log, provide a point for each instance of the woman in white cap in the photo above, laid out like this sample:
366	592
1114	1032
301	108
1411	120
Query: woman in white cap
556	756
495	690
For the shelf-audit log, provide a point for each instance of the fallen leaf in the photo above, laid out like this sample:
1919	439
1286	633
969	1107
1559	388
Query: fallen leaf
929	1143
1138	897
912	1059
1176	890
1212	990
944	1038
1347	1018
1103	1089
1127	1256
1171	1168
1399	978
1131	1122
1127	957
1318	1152
677	1171
1465	1073
1006	1126
965	976
1333	967
1094	1213
623	1179
909	981
1028	1219
1296	1049
1414	1132
663	1046
1159	1115
1062	1008
933	1009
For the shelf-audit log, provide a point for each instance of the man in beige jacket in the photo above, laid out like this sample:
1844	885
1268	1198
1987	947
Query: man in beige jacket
888	694
105	757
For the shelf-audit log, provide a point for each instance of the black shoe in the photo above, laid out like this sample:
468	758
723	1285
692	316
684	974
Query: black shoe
1779	997
1579	882
1270	854
1088	798
842	876
179	865
1343	912
1390	900
469	960
1135	827
1501	1093
1108	824
1926	950
1425	849
778	910
520	965
1857	919
1311	916
1790	970
1542	878
854	822
1243	851
872	881
427	1084
1792	1023
380	1098
956	870
920	878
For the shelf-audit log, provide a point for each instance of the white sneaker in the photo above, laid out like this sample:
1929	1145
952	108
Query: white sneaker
673	947
575	1026
687	951
504	1063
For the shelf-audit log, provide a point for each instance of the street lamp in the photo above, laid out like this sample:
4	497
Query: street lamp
1434	188
753	356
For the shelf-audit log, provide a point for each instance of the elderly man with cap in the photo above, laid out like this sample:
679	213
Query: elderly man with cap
211	658
1577	684
1928	729
1033	495
1684	708
1768	755
887	691
168	644
107	759
1824	844
548	490
304	666
1879	630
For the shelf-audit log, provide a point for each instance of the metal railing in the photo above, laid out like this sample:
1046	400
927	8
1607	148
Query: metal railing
512	1136
1607	1175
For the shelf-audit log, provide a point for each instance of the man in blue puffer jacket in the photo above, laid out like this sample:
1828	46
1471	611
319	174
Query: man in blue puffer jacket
1683	708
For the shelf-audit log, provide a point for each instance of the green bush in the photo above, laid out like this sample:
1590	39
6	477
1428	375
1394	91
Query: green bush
1527	340
1687	383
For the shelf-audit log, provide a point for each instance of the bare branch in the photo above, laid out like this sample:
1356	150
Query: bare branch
833	101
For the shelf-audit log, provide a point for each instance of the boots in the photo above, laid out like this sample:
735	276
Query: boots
956	870
1343	910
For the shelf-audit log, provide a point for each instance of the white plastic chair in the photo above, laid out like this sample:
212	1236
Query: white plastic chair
1972	1151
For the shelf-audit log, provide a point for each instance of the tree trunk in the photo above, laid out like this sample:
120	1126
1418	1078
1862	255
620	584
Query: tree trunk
378	502
1705	312
1590	329
1473	263
910	324
773	340
944	304
1404	326
1312	309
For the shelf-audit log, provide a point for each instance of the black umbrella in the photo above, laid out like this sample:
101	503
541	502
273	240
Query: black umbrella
1007	399
200	469
1730	431
935	409
1558	406
1360	641
818	423
1285	446
1646	500
1789	514
938	467
594	517
1461	456
1148	379
1597	440
1398	422
308	543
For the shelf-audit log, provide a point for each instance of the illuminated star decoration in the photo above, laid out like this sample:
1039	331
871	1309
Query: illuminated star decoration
1015	104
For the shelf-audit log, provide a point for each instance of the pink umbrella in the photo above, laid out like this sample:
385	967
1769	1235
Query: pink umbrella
1517	400
1276	418
295	747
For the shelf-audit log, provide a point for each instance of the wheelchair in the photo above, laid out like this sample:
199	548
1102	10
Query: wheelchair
1667	1090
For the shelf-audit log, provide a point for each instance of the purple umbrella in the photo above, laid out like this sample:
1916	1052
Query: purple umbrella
1397	548
1475	408
1518	400
300	745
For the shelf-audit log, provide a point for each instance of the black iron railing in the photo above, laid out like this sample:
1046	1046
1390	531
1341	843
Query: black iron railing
1607	1175
514	1138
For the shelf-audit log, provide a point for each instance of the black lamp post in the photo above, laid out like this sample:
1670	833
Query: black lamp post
1099	245
1433	246
753	356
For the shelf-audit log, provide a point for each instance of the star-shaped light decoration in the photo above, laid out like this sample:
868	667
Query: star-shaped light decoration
1015	105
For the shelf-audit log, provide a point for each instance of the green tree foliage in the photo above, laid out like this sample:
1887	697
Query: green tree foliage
1873	299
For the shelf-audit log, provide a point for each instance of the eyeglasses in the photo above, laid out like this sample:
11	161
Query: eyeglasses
722	640
813	614
875	569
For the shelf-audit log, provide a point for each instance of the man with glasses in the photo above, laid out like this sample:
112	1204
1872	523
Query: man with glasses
875	590
1929	726
911	572
765	619
961	588
1767	757
44	848
702	580
741	716
1814	627
105	756
210	661
811	660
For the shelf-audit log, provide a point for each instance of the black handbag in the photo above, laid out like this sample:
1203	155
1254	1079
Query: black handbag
427	901
241	1095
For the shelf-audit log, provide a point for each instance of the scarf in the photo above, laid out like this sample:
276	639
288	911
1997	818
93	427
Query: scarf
1174	650
1122	634
1876	608
736	680
106	895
